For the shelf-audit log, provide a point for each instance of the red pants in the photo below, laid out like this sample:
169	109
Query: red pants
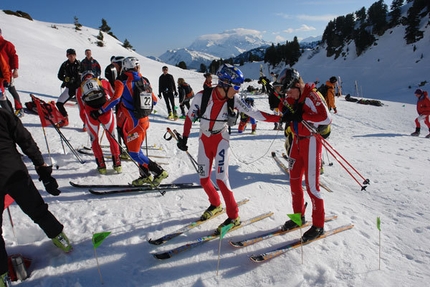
305	161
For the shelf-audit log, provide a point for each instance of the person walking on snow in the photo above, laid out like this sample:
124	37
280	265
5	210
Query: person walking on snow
166	87
7	49
186	93
16	182
423	109
304	104
214	138
92	95
134	128
331	100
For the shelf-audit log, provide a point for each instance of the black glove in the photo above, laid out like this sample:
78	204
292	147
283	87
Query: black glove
287	117
176	93
51	185
182	143
5	84
159	95
96	114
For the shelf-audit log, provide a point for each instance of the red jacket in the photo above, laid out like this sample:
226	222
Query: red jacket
423	104
8	51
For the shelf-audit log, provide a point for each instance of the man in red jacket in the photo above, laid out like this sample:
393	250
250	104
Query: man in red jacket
7	49
304	107
423	109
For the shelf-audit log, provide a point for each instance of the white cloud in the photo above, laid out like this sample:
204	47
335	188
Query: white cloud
306	28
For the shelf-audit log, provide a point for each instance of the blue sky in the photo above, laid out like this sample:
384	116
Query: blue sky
153	27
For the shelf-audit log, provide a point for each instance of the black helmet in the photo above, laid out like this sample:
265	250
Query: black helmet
333	80
288	77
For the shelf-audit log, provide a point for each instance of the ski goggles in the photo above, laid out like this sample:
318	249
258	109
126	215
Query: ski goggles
235	87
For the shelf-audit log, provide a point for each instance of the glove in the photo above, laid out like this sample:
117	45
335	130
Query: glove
51	185
176	93
159	95
66	79
297	115
5	84
287	117
182	143
96	114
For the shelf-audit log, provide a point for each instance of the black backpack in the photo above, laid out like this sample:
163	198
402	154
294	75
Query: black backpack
323	90
142	98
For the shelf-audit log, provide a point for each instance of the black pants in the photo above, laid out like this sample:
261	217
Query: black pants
31	202
170	102
15	95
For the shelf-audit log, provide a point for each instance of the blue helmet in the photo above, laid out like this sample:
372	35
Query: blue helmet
230	75
249	101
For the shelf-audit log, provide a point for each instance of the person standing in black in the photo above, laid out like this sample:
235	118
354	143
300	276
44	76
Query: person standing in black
70	76
16	182
166	87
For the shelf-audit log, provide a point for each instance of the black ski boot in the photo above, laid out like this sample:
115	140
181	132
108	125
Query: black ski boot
313	233
416	132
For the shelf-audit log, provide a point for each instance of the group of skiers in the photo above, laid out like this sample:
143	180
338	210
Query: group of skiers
293	102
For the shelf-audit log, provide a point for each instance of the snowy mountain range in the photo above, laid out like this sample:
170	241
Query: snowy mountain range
207	48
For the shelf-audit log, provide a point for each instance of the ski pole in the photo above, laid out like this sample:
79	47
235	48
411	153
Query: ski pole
333	152
174	134
64	139
126	152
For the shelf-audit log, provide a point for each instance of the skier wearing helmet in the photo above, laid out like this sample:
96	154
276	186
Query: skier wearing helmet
304	104
91	96
214	138
133	127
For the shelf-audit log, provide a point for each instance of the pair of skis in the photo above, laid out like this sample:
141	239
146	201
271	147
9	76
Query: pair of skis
290	245
128	188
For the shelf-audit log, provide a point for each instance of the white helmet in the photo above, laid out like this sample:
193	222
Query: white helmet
130	63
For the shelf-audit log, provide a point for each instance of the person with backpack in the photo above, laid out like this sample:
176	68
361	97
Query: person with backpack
135	99
215	110
166	87
330	94
304	104
16	182
70	76
7	49
186	93
91	96
423	109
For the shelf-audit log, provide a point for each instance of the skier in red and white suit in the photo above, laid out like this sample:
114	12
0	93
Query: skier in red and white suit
303	103
89	88
214	137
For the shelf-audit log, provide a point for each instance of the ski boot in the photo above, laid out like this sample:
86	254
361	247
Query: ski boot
170	117
101	166
117	163
62	242
228	221
145	177
313	233
291	224
211	211
416	132
175	115
5	280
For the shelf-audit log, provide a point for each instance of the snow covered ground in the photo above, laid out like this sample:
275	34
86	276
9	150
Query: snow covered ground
375	140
